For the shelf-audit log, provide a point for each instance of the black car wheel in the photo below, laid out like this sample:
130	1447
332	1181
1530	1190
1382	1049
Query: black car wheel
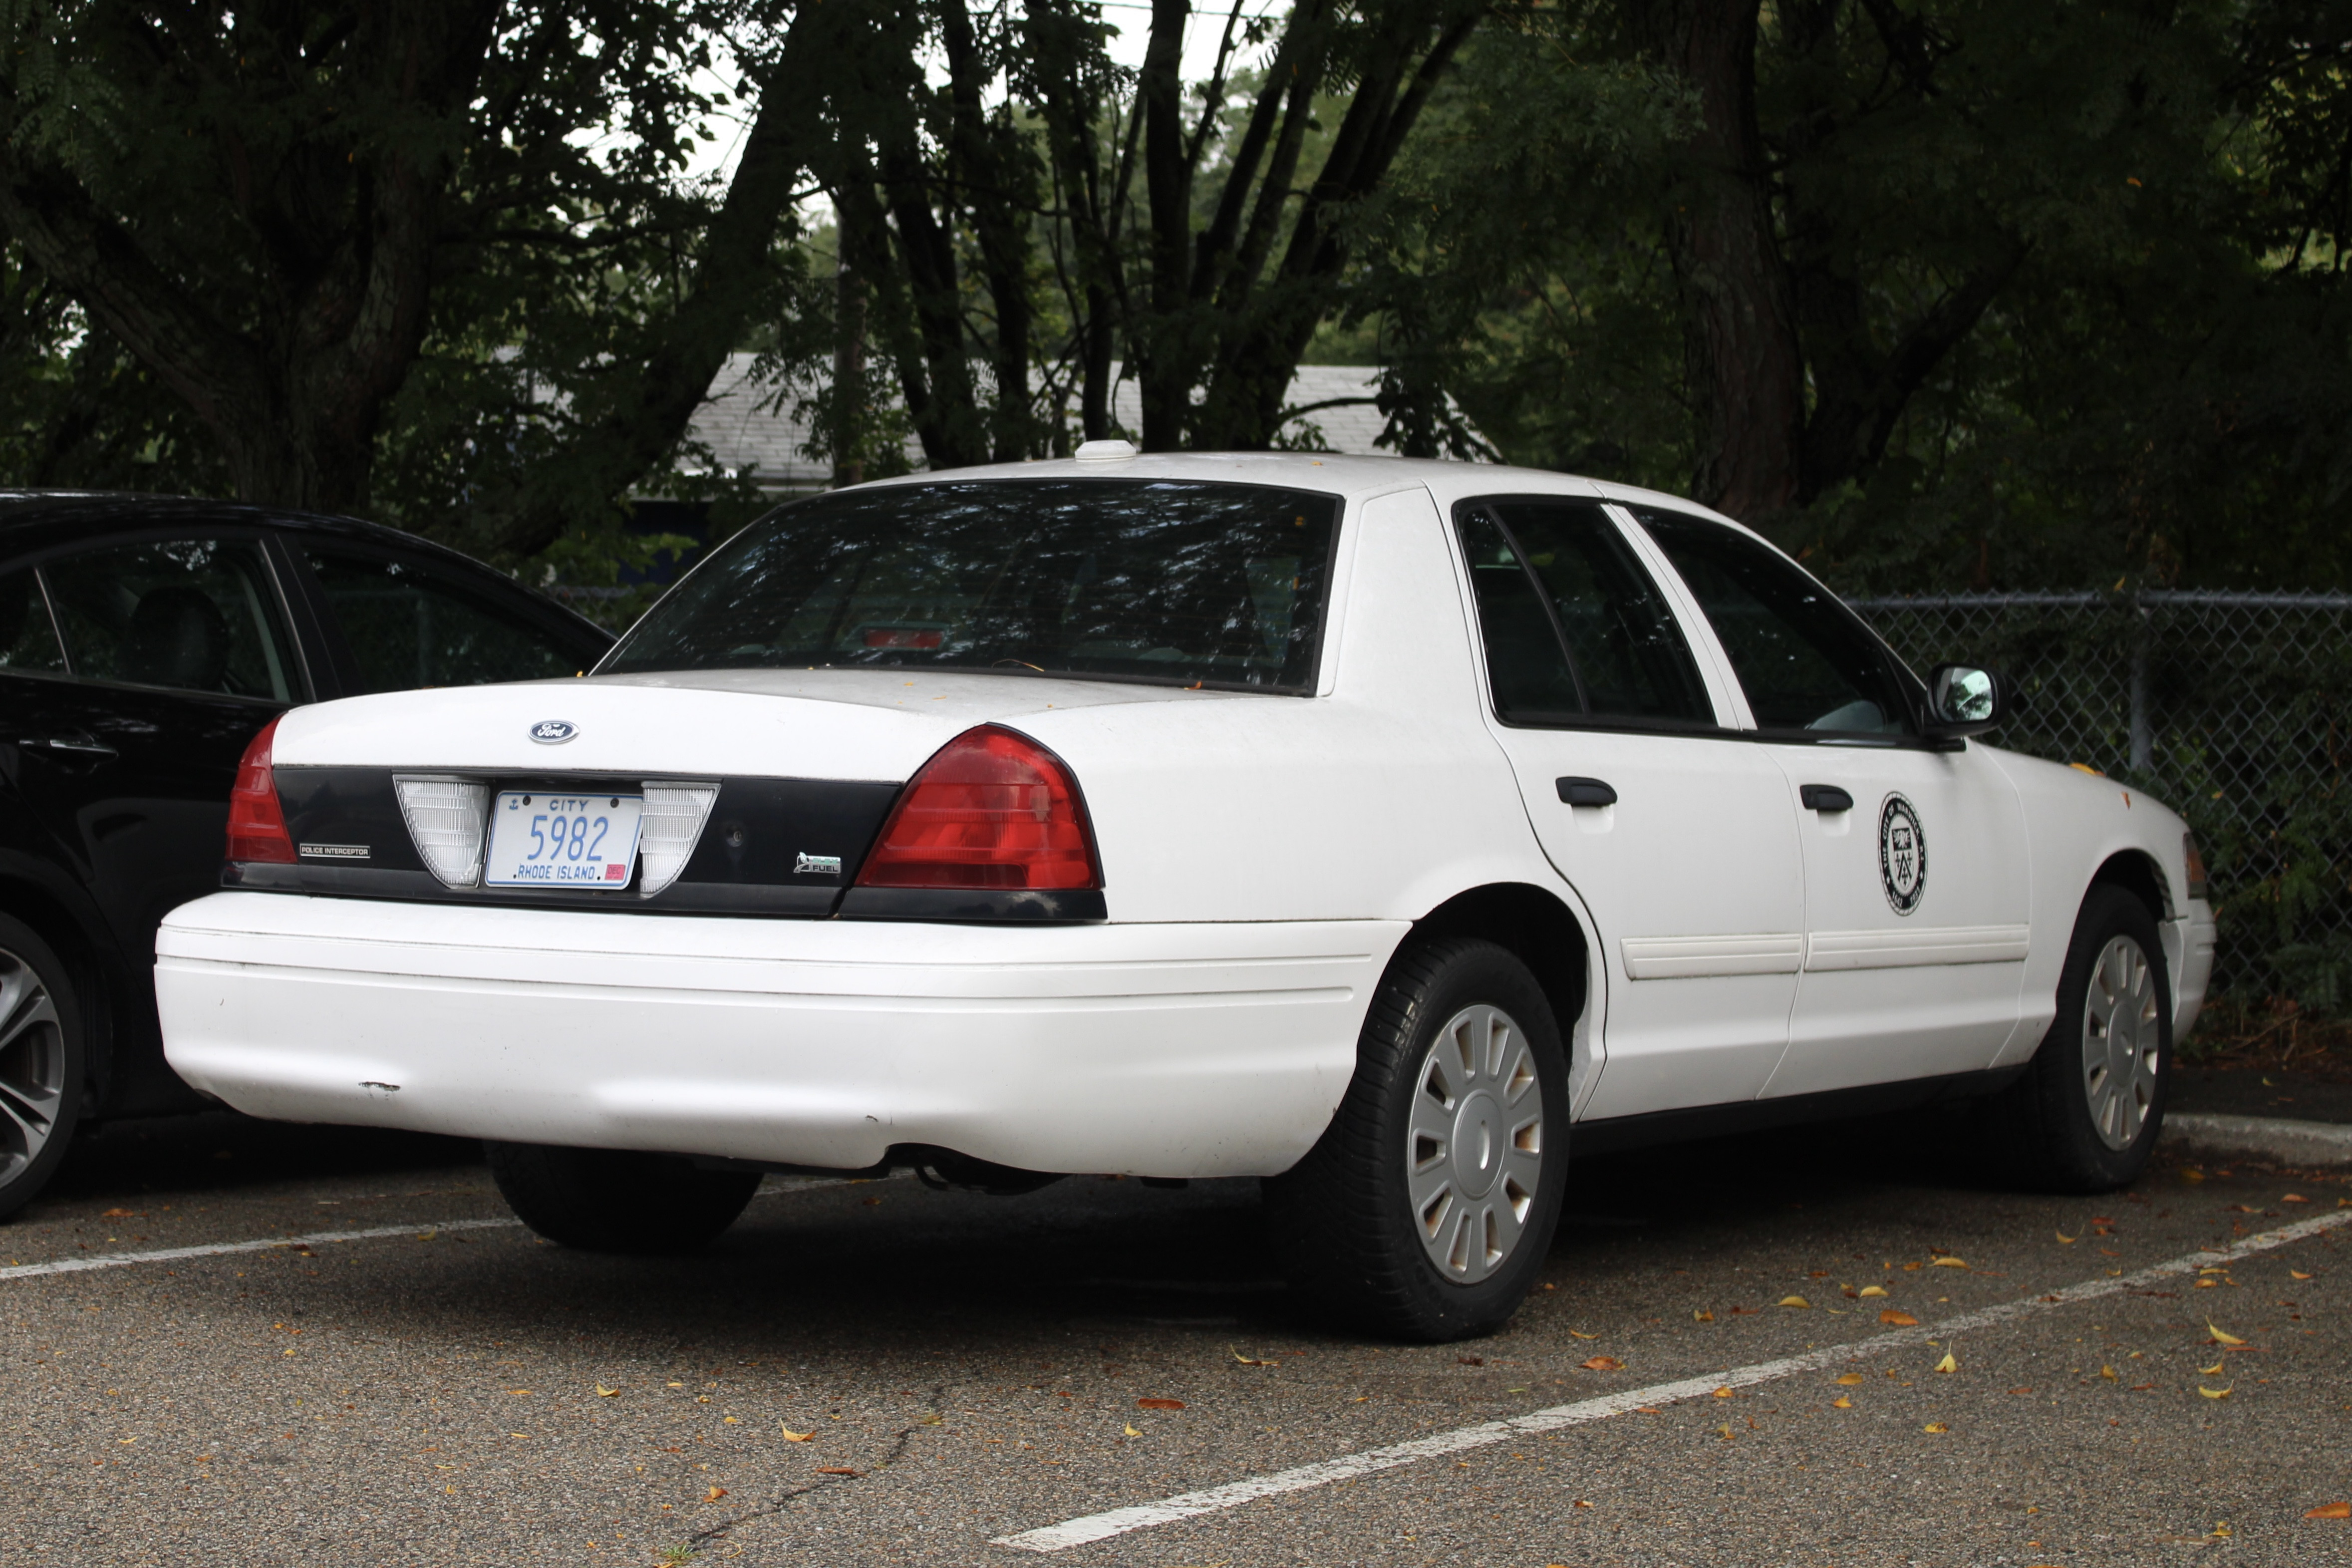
617	1200
2086	1115
41	1063
1427	1209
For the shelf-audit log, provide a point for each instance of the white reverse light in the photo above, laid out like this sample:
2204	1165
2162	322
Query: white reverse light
672	824
447	820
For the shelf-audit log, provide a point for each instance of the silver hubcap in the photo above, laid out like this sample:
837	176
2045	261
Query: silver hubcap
2119	1042
1475	1147
32	1064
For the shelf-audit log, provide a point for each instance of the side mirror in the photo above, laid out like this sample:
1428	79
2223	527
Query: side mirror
1964	699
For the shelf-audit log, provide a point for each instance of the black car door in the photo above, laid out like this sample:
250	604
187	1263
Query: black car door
175	653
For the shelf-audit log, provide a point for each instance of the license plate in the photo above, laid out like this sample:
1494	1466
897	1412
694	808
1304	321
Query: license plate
542	840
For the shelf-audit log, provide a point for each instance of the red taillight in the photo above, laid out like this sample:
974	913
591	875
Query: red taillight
991	809
256	827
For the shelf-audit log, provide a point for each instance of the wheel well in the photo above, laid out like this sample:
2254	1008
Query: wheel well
2138	874
56	925
1535	926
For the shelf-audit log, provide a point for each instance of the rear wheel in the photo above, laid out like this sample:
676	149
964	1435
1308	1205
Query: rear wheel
1428	1206
2085	1115
42	1063
618	1200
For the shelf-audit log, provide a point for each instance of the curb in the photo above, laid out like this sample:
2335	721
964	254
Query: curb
2274	1138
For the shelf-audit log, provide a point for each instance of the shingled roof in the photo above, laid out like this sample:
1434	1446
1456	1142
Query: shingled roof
744	429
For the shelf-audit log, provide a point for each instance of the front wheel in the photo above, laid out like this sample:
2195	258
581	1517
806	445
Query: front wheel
1427	1209
617	1200
2085	1115
41	1064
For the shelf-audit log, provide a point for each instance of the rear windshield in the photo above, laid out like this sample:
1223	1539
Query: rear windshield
1209	585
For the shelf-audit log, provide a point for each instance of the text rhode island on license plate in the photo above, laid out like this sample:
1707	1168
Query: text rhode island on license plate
540	840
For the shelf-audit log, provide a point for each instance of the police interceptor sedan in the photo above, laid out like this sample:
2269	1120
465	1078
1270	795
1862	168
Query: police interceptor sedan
1387	830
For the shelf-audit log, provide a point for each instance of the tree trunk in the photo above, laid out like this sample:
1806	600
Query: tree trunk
1742	362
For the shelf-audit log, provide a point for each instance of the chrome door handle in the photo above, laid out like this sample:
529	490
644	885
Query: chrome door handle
1587	792
1825	797
80	745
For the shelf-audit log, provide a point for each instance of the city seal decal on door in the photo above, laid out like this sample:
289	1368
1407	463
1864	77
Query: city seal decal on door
1902	855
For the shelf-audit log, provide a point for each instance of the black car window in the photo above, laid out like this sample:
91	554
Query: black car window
1159	580
195	615
1529	675
1622	637
410	625
1803	659
28	638
1575	630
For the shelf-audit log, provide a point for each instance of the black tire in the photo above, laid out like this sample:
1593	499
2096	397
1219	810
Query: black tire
1343	1221
44	1063
617	1200
2045	1128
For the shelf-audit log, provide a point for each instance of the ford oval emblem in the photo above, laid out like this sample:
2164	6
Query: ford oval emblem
553	731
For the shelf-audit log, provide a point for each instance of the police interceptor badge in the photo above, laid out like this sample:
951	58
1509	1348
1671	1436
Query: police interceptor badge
1902	855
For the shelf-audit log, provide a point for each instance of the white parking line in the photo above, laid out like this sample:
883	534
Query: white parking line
1234	1494
224	1248
773	1186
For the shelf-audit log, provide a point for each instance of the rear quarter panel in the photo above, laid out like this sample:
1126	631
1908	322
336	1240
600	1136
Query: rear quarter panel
1378	801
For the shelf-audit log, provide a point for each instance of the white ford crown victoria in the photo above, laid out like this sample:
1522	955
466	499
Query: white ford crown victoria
1384	829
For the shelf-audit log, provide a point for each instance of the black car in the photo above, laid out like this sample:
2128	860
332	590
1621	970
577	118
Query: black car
144	642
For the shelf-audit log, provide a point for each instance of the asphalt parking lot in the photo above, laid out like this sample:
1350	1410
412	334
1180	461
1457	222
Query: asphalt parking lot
878	1373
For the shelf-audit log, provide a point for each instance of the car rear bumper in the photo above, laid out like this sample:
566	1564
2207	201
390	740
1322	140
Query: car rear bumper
1172	1050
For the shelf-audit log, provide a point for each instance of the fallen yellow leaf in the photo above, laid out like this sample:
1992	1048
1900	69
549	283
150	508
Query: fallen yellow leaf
2069	1240
2213	1371
2331	1510
2223	1393
1901	1319
1132	1432
1948	1364
1602	1364
1850	1379
714	1494
792	1437
2219	1337
605	1393
1842	1403
1935	1426
2109	1374
1950	1263
1159	1404
728	1421
1723	1393
1794	1301
2297	1274
1580	1334
2294	1198
1874	1290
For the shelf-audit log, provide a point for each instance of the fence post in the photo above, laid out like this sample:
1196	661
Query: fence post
2143	729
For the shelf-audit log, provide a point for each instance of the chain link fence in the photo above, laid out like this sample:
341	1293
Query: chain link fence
2231	708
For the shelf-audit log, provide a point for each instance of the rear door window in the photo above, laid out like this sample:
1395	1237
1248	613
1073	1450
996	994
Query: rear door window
189	614
28	639
410	625
1575	630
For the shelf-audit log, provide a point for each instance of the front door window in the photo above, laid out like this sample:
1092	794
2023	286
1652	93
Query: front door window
1804	661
